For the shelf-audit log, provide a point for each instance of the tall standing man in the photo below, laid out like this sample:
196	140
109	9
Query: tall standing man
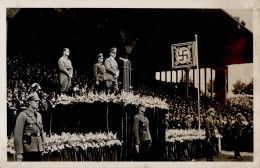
28	134
112	71
238	130
99	71
142	136
210	134
66	71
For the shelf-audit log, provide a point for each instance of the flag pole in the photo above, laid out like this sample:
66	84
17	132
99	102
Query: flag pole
197	58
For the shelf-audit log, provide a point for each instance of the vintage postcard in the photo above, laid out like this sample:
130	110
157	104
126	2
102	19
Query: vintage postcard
130	84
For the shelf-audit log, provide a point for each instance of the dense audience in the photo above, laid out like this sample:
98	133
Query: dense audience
183	113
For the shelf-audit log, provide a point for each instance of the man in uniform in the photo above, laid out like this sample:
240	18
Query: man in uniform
99	70
210	134
112	71
238	129
28	134
187	122
66	71
142	136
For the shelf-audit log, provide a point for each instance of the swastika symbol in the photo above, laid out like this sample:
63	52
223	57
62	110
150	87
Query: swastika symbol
183	55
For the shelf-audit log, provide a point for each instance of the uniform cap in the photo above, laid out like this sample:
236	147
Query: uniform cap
100	55
113	49
52	94
36	85
9	91
210	110
140	105
33	97
239	115
188	116
44	95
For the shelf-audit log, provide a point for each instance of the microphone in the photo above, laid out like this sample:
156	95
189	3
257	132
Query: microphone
123	59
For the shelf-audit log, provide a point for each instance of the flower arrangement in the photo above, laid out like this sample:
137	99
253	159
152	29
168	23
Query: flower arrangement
122	98
75	141
10	146
180	135
83	141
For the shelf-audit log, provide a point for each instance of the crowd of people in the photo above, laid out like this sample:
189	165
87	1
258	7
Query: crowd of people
25	77
183	114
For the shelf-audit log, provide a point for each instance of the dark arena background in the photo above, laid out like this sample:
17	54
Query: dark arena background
37	36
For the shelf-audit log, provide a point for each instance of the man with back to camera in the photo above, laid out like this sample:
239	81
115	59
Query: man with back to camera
28	134
142	136
112	71
66	71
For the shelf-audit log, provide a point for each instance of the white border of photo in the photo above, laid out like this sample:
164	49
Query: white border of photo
230	4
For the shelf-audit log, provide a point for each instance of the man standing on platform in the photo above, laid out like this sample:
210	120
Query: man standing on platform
112	71
210	134
28	134
66	71
99	70
142	136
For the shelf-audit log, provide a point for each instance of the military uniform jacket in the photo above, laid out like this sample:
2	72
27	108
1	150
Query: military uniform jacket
99	71
238	128
28	133
111	69
187	124
209	127
141	129
65	66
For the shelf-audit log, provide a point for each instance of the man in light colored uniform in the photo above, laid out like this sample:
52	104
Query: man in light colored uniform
112	71
66	71
28	134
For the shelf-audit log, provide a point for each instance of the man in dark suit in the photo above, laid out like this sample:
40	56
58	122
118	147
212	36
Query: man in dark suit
99	71
142	136
112	71
28	134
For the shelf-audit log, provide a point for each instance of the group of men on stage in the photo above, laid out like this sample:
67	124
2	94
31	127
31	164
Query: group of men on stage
105	75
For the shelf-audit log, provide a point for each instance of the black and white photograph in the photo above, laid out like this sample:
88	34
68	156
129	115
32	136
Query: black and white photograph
130	85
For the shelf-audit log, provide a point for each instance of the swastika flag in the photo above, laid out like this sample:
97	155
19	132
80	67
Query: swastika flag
184	54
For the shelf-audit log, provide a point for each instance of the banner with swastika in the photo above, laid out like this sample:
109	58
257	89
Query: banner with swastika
183	54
